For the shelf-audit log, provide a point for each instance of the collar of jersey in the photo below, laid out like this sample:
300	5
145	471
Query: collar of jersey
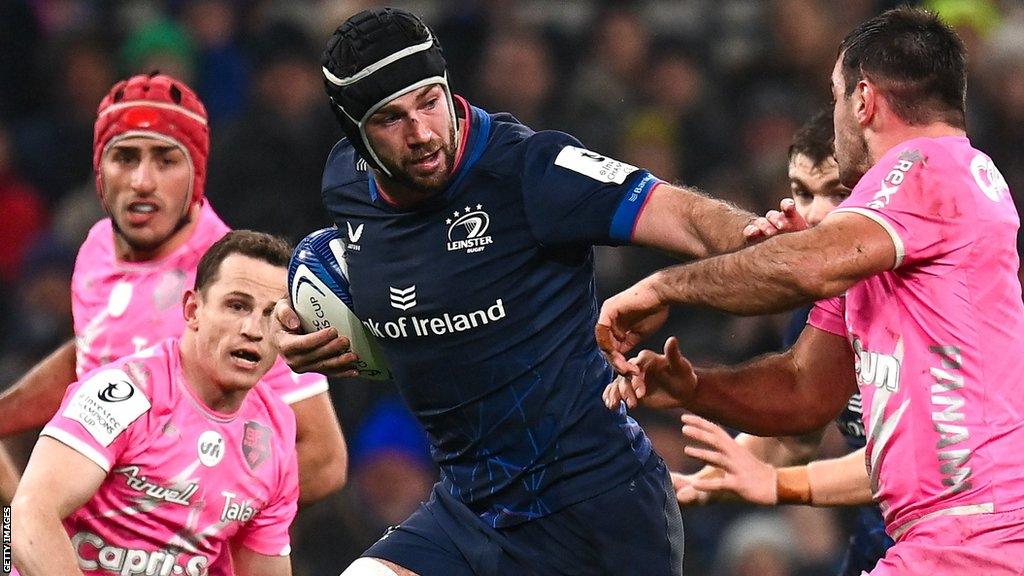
474	141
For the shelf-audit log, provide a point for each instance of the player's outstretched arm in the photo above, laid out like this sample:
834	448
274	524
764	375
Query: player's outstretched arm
32	400
777	452
783	394
777	275
8	478
687	223
58	480
322	454
250	563
323	351
835	482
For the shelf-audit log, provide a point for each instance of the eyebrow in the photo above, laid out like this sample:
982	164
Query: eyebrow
240	294
830	183
420	94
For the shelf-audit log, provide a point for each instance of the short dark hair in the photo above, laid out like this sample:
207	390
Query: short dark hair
816	139
916	59
257	245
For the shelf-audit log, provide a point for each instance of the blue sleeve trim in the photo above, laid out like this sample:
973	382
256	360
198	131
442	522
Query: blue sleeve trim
629	208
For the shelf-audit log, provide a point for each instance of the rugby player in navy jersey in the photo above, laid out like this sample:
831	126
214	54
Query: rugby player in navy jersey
765	470
469	252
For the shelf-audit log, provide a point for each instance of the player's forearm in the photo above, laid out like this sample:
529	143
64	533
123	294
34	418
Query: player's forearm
8	477
717	225
835	482
764	397
34	399
322	454
321	472
759	280
40	545
781	451
840	481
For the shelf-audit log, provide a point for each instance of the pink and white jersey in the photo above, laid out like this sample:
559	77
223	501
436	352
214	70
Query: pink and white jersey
182	480
122	307
939	339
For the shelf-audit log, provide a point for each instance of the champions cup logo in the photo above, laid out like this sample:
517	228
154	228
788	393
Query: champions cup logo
466	230
255	444
117	391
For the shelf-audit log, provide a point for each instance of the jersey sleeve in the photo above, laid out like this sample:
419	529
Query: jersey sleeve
98	415
292	387
575	196
921	212
829	315
267	532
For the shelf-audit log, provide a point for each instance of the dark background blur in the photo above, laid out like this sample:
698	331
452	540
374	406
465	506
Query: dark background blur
705	92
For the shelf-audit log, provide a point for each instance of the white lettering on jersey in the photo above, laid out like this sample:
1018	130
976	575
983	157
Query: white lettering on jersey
406	326
594	165
106	404
234	510
948	419
877	369
130	561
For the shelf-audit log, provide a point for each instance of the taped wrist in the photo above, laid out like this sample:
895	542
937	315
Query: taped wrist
793	485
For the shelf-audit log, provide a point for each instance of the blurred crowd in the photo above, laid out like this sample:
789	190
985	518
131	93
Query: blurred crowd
704	92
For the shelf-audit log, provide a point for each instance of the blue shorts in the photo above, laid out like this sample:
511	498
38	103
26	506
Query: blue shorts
633	528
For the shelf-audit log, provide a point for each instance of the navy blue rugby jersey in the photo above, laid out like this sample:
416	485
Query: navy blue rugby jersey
482	299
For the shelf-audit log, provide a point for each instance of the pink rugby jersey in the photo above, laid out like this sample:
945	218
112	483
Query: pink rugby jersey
182	480
938	340
121	307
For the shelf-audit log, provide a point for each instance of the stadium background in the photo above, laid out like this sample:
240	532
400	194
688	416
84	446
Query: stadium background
707	92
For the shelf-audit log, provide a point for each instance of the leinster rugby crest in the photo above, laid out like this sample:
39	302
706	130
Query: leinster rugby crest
467	229
255	444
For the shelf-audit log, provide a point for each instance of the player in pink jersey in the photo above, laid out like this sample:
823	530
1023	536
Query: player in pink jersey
162	462
924	250
150	147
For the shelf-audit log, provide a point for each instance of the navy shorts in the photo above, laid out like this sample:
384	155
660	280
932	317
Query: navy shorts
633	528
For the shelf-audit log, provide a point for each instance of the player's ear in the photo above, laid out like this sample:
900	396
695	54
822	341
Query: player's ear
190	308
865	101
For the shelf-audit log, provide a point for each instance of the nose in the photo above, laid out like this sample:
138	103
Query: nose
820	208
144	177
417	132
253	326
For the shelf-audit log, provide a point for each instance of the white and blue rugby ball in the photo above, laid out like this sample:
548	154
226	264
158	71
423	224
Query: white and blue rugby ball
319	290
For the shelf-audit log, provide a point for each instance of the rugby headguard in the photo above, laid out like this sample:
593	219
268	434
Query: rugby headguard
373	58
154	106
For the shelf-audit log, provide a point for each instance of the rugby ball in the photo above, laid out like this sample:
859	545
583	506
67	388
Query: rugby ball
319	291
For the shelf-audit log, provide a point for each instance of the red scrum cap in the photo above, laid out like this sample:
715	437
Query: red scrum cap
154	106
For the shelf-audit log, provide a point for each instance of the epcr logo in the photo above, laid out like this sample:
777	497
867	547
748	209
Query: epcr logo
117	391
211	448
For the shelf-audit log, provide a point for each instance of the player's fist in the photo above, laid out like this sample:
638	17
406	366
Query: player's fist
665	380
626	319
